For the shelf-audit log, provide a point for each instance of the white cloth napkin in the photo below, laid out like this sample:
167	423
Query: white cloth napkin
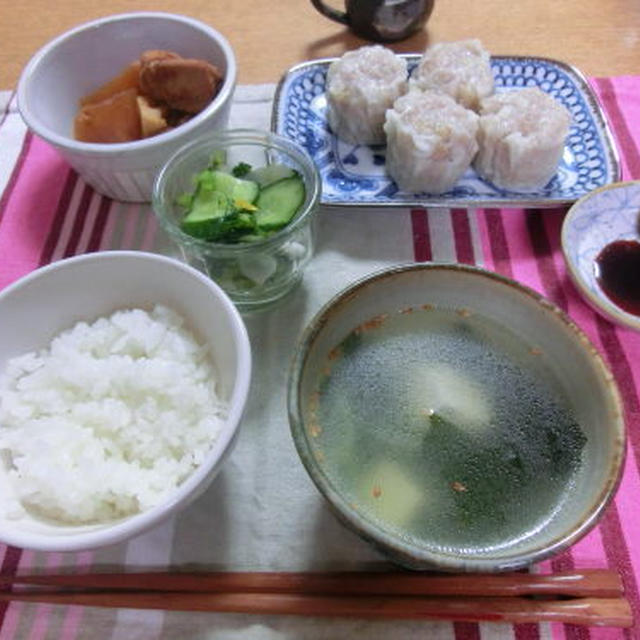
262	512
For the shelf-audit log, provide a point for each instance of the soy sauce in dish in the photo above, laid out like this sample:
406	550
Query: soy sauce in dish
618	274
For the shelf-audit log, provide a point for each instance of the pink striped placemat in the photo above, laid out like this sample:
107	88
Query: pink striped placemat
48	213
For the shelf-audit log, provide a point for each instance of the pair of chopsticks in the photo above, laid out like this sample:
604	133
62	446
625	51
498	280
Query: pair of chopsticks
584	597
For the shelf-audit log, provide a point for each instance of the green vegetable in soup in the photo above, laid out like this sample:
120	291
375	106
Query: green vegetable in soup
483	472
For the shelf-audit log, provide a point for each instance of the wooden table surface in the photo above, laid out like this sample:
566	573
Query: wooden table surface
600	37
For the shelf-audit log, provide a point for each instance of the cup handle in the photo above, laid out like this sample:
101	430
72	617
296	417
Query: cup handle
329	12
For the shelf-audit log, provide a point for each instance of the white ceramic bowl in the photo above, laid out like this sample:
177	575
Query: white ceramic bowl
596	220
84	58
382	453
37	307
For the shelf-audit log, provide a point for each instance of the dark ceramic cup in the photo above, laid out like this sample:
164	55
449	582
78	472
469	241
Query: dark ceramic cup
380	20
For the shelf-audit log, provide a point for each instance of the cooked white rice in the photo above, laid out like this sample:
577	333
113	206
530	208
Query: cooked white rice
521	136
110	418
360	87
460	69
431	141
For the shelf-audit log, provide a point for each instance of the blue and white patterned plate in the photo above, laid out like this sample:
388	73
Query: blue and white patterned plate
355	174
599	218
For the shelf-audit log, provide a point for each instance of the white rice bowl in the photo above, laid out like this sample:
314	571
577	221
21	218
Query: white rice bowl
360	87
109	419
521	135
460	69
431	141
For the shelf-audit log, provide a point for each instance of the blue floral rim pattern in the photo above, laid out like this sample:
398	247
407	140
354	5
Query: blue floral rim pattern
355	174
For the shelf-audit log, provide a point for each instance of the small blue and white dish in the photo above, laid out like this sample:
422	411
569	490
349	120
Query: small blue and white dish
355	174
606	217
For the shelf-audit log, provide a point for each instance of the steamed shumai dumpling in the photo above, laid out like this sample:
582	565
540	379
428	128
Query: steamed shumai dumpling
431	140
360	87
521	136
460	69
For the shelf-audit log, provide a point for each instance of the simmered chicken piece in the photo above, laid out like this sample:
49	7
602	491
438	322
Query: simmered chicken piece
181	83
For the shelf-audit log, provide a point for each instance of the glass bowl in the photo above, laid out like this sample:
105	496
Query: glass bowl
256	273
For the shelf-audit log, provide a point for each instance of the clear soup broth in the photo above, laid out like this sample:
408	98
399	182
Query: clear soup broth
443	427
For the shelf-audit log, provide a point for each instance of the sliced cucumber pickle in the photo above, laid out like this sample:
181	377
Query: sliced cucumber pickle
279	202
207	209
225	208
